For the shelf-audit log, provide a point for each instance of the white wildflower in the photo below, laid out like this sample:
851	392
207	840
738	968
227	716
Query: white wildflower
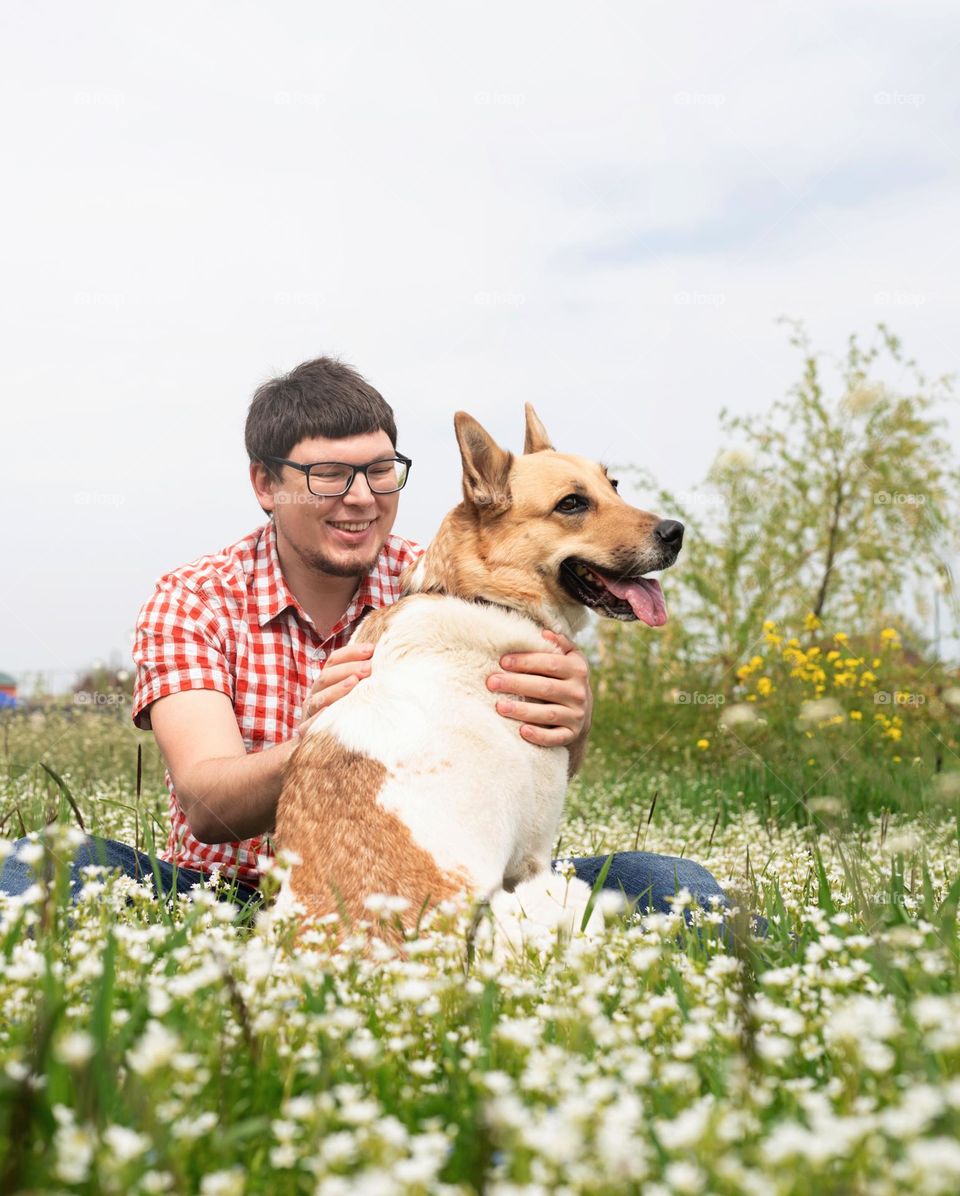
223	1183
734	459
75	1048
125	1144
738	716
74	1146
819	710
155	1049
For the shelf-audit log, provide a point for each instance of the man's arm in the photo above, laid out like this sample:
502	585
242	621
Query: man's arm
226	793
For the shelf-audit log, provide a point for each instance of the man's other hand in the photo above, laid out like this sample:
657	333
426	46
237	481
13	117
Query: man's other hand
342	670
560	683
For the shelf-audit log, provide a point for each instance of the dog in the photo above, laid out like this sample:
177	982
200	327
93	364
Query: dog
413	785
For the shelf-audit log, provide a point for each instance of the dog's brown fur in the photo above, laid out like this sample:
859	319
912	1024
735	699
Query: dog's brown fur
356	846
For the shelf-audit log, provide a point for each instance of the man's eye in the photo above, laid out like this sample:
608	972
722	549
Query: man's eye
572	504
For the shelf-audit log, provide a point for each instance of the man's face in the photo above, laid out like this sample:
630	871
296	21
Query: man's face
339	536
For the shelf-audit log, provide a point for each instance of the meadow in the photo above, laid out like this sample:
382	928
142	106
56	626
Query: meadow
184	1047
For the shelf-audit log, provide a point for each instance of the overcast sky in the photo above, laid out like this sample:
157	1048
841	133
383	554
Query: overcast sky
602	208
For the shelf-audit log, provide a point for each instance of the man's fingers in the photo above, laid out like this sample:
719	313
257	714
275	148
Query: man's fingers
334	663
335	674
542	715
326	697
558	638
548	736
545	689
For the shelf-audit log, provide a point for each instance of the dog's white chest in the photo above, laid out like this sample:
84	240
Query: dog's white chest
473	793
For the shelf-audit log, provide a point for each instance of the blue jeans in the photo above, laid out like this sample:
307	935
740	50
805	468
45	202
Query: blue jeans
650	880
17	876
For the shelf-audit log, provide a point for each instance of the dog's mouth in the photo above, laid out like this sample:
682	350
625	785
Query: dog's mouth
627	598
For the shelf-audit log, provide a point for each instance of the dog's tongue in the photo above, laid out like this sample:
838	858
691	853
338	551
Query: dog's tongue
645	598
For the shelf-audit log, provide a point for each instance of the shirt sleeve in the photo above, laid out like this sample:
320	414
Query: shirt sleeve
179	645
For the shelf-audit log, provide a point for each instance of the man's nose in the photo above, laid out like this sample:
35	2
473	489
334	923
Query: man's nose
359	491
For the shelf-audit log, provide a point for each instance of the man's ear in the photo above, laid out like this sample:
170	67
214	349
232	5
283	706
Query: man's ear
486	466
536	438
263	485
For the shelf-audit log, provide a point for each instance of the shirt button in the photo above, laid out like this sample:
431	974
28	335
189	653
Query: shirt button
319	654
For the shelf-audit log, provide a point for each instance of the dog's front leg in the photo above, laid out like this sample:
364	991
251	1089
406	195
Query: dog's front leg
529	867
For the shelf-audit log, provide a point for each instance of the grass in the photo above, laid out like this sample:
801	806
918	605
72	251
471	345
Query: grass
181	1047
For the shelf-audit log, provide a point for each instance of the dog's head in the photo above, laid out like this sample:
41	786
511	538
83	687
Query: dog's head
553	535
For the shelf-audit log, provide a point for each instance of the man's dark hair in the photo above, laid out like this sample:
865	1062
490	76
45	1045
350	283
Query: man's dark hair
324	398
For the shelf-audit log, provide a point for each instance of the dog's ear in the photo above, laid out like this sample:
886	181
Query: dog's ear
537	437
486	466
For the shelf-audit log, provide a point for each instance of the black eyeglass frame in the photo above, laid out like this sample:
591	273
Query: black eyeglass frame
354	470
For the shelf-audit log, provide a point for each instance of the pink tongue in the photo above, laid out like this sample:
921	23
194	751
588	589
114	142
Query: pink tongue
645	598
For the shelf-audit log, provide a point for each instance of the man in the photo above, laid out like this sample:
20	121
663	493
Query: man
237	652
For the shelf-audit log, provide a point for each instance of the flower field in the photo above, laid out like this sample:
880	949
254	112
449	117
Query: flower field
150	1047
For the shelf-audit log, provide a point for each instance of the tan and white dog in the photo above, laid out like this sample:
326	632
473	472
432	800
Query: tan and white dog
413	784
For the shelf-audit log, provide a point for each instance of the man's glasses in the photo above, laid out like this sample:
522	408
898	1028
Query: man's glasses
330	479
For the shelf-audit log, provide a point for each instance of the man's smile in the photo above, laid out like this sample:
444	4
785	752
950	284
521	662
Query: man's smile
350	531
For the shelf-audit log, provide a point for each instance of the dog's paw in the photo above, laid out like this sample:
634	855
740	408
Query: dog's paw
545	909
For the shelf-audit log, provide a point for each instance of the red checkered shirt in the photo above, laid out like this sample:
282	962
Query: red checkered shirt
230	623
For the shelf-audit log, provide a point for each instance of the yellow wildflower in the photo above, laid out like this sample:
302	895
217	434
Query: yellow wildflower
764	686
768	625
841	637
856	715
703	744
811	622
889	633
833	654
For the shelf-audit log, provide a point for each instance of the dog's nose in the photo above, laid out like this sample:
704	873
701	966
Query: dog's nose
670	532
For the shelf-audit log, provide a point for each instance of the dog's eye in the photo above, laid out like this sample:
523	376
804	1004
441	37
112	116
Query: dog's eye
571	505
614	483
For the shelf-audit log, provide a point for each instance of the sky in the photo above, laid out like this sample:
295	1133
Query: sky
600	208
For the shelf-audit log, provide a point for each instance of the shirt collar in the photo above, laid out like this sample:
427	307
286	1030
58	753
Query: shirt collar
272	595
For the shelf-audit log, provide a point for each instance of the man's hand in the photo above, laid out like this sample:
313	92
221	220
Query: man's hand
340	673
561	683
